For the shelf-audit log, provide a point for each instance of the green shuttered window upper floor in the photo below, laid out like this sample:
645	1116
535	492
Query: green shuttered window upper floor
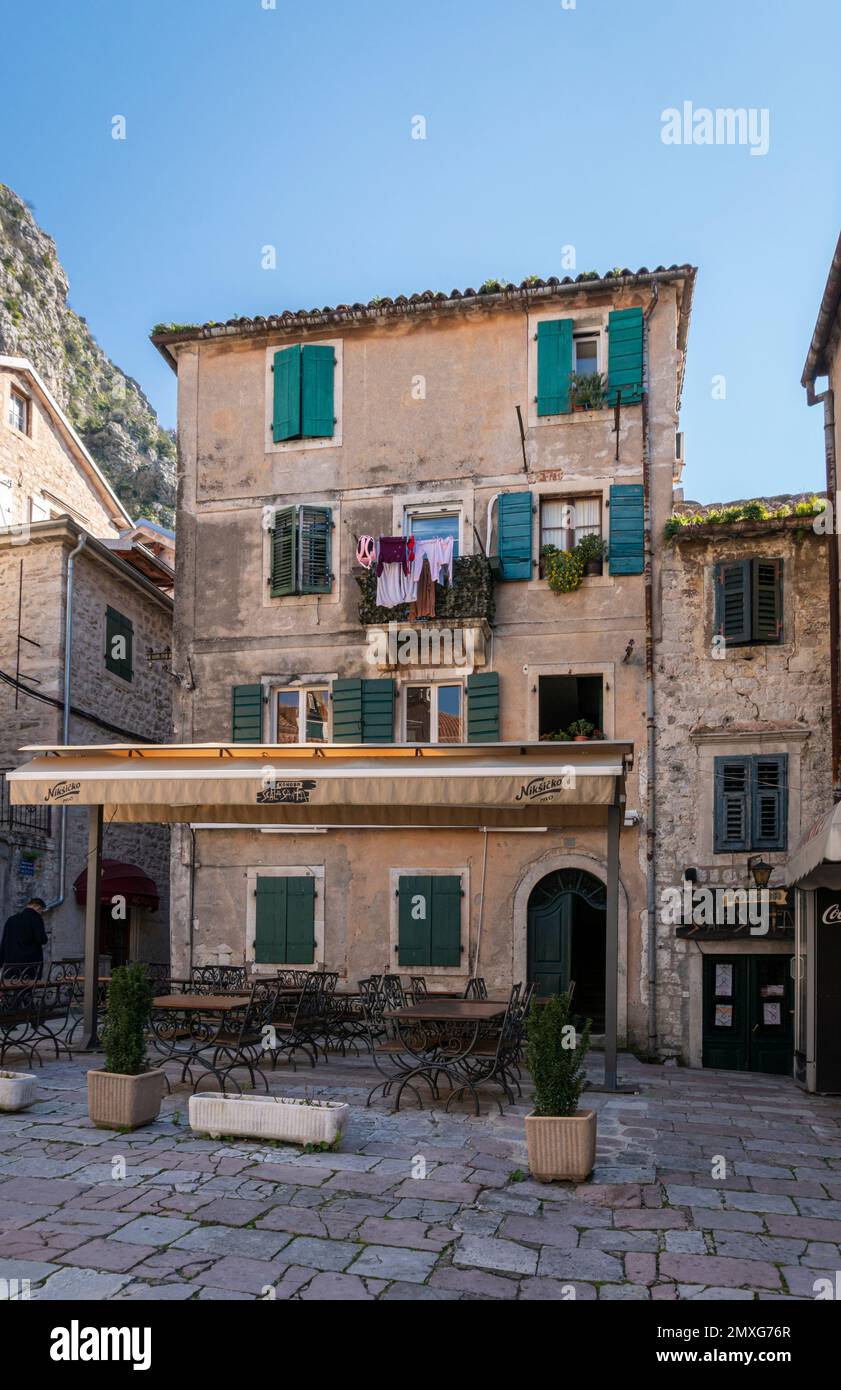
301	551
627	528
749	601
363	711
625	356
429	920
285	920
119	644
554	366
304	390
247	713
514	530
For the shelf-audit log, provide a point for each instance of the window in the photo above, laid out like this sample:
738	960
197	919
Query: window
751	803
301	714
426	524
119	644
301	551
749	601
18	411
303	392
565	699
284	920
38	509
433	714
563	521
586	354
429	920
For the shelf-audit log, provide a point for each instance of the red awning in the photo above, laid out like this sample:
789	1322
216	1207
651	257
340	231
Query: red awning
120	880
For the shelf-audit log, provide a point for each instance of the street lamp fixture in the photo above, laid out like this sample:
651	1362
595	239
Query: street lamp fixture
760	870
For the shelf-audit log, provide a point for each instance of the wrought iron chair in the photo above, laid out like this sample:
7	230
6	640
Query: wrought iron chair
54	1001
298	1021
19	1009
417	988
243	1036
476	988
391	1054
491	1059
217	979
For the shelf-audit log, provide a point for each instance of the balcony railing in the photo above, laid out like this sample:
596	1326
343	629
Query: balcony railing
471	595
28	820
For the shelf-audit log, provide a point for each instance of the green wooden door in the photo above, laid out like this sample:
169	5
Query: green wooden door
725	1005
771	1014
549	943
748	1013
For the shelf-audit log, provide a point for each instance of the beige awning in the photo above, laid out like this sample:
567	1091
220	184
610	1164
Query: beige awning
338	784
816	863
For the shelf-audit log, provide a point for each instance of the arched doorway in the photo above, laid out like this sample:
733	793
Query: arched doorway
566	940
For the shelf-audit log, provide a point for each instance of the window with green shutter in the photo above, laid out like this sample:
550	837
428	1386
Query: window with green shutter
303	404
363	711
300	551
247	713
749	601
625	356
751	803
483	707
514	531
627	528
285	920
554	366
429	920
119	644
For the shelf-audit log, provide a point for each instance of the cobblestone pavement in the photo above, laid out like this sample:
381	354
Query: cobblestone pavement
708	1185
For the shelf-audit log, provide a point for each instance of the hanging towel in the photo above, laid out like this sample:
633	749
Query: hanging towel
424	604
394	587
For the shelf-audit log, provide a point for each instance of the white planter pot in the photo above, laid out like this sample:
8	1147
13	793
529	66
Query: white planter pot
268	1117
17	1090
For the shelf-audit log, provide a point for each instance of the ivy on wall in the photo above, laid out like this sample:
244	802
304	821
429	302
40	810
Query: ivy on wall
471	595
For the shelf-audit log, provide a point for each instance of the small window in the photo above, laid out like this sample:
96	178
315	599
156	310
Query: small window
304	392
566	700
119	644
586	354
749	602
18	411
751	803
301	714
433	714
429	920
564	521
426	524
284	920
301	541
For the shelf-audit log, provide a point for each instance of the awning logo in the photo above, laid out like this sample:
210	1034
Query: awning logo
547	788
61	791
286	794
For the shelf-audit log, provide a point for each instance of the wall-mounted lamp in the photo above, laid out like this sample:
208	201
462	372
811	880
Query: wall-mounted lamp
760	870
690	875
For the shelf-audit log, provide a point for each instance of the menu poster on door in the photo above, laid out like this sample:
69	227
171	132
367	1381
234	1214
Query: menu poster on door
772	1015
724	981
773	991
724	1015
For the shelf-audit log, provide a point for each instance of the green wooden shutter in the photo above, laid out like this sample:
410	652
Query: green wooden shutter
314	540
317	411
514	529
769	801
627	517
767	600
286	417
483	707
733	601
247	714
270	937
284	552
347	711
378	711
624	356
732	811
414	920
554	366
119	629
445	934
300	920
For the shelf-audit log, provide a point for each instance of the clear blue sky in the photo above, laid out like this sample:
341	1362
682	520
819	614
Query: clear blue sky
292	126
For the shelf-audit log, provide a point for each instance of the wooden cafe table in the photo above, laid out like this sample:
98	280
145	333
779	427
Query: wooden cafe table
436	1035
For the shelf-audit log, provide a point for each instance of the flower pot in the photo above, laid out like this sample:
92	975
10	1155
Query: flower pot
561	1148
116	1101
17	1090
593	567
581	738
268	1117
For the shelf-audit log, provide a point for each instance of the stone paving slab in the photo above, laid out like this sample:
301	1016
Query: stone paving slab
200	1219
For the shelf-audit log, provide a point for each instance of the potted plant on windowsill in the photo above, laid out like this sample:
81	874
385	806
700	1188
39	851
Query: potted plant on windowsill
587	391
126	1094
581	730
592	550
562	569
561	1140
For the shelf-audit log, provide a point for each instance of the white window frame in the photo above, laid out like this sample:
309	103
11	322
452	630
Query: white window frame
583	326
15	394
569	499
435	685
276	689
429	512
291	446
315	871
599	335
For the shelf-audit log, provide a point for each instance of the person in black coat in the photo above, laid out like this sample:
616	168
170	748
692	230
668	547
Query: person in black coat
24	937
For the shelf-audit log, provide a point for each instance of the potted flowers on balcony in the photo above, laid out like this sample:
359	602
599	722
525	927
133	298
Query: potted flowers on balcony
581	730
592	550
126	1094
588	391
561	1139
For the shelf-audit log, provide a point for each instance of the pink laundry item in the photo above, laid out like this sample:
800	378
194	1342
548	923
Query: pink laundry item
366	551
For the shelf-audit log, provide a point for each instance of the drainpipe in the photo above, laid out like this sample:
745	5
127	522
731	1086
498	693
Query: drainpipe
827	399
65	723
650	709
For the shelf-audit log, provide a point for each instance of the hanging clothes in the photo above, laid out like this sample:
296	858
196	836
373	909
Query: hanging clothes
424	604
395	550
394	585
366	551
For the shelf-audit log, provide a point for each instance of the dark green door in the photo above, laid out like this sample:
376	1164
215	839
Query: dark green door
748	1006
550	939
566	940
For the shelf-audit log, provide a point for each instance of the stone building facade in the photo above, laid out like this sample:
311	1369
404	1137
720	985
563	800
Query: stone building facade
438	424
57	504
744	762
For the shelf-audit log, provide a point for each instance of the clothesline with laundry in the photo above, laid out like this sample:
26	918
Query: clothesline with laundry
407	569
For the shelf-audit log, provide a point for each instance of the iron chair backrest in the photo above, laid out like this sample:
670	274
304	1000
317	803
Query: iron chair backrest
209	979
417	985
18	971
258	1013
392	990
476	988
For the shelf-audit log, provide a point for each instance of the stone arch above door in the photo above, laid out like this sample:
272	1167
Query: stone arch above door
549	863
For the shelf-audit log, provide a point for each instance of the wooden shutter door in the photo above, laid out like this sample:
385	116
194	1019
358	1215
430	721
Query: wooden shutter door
286	415
624	356
284	552
554	366
317	411
483	707
270	935
732	601
300	920
414	920
627	521
314	540
247	714
445	936
770	802
378	711
732	812
514	529
347	711
767	611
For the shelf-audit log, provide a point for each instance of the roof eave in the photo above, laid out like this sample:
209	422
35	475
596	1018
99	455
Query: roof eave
815	359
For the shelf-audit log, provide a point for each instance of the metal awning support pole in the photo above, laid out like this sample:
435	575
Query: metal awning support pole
92	925
611	992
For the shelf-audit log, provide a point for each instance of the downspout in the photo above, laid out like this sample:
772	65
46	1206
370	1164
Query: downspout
827	399
65	723
474	970
650	709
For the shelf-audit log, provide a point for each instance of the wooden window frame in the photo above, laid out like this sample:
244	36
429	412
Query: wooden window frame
301	691
434	686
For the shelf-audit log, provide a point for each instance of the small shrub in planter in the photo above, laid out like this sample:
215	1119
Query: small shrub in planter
561	1139
126	1094
581	730
592	550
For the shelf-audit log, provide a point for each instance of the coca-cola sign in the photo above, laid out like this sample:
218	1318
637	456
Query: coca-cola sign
832	915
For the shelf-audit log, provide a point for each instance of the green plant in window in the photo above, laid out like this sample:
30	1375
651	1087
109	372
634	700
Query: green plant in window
591	547
588	390
581	728
564	569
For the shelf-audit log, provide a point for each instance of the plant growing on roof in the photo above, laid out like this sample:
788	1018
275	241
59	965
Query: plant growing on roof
564	569
556	1053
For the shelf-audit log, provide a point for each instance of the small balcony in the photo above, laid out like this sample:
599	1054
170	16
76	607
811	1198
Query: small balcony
27	822
468	600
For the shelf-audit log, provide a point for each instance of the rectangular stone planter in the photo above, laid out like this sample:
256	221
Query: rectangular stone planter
17	1090
561	1148
268	1117
116	1101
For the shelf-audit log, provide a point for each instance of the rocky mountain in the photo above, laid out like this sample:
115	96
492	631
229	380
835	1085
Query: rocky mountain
107	408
